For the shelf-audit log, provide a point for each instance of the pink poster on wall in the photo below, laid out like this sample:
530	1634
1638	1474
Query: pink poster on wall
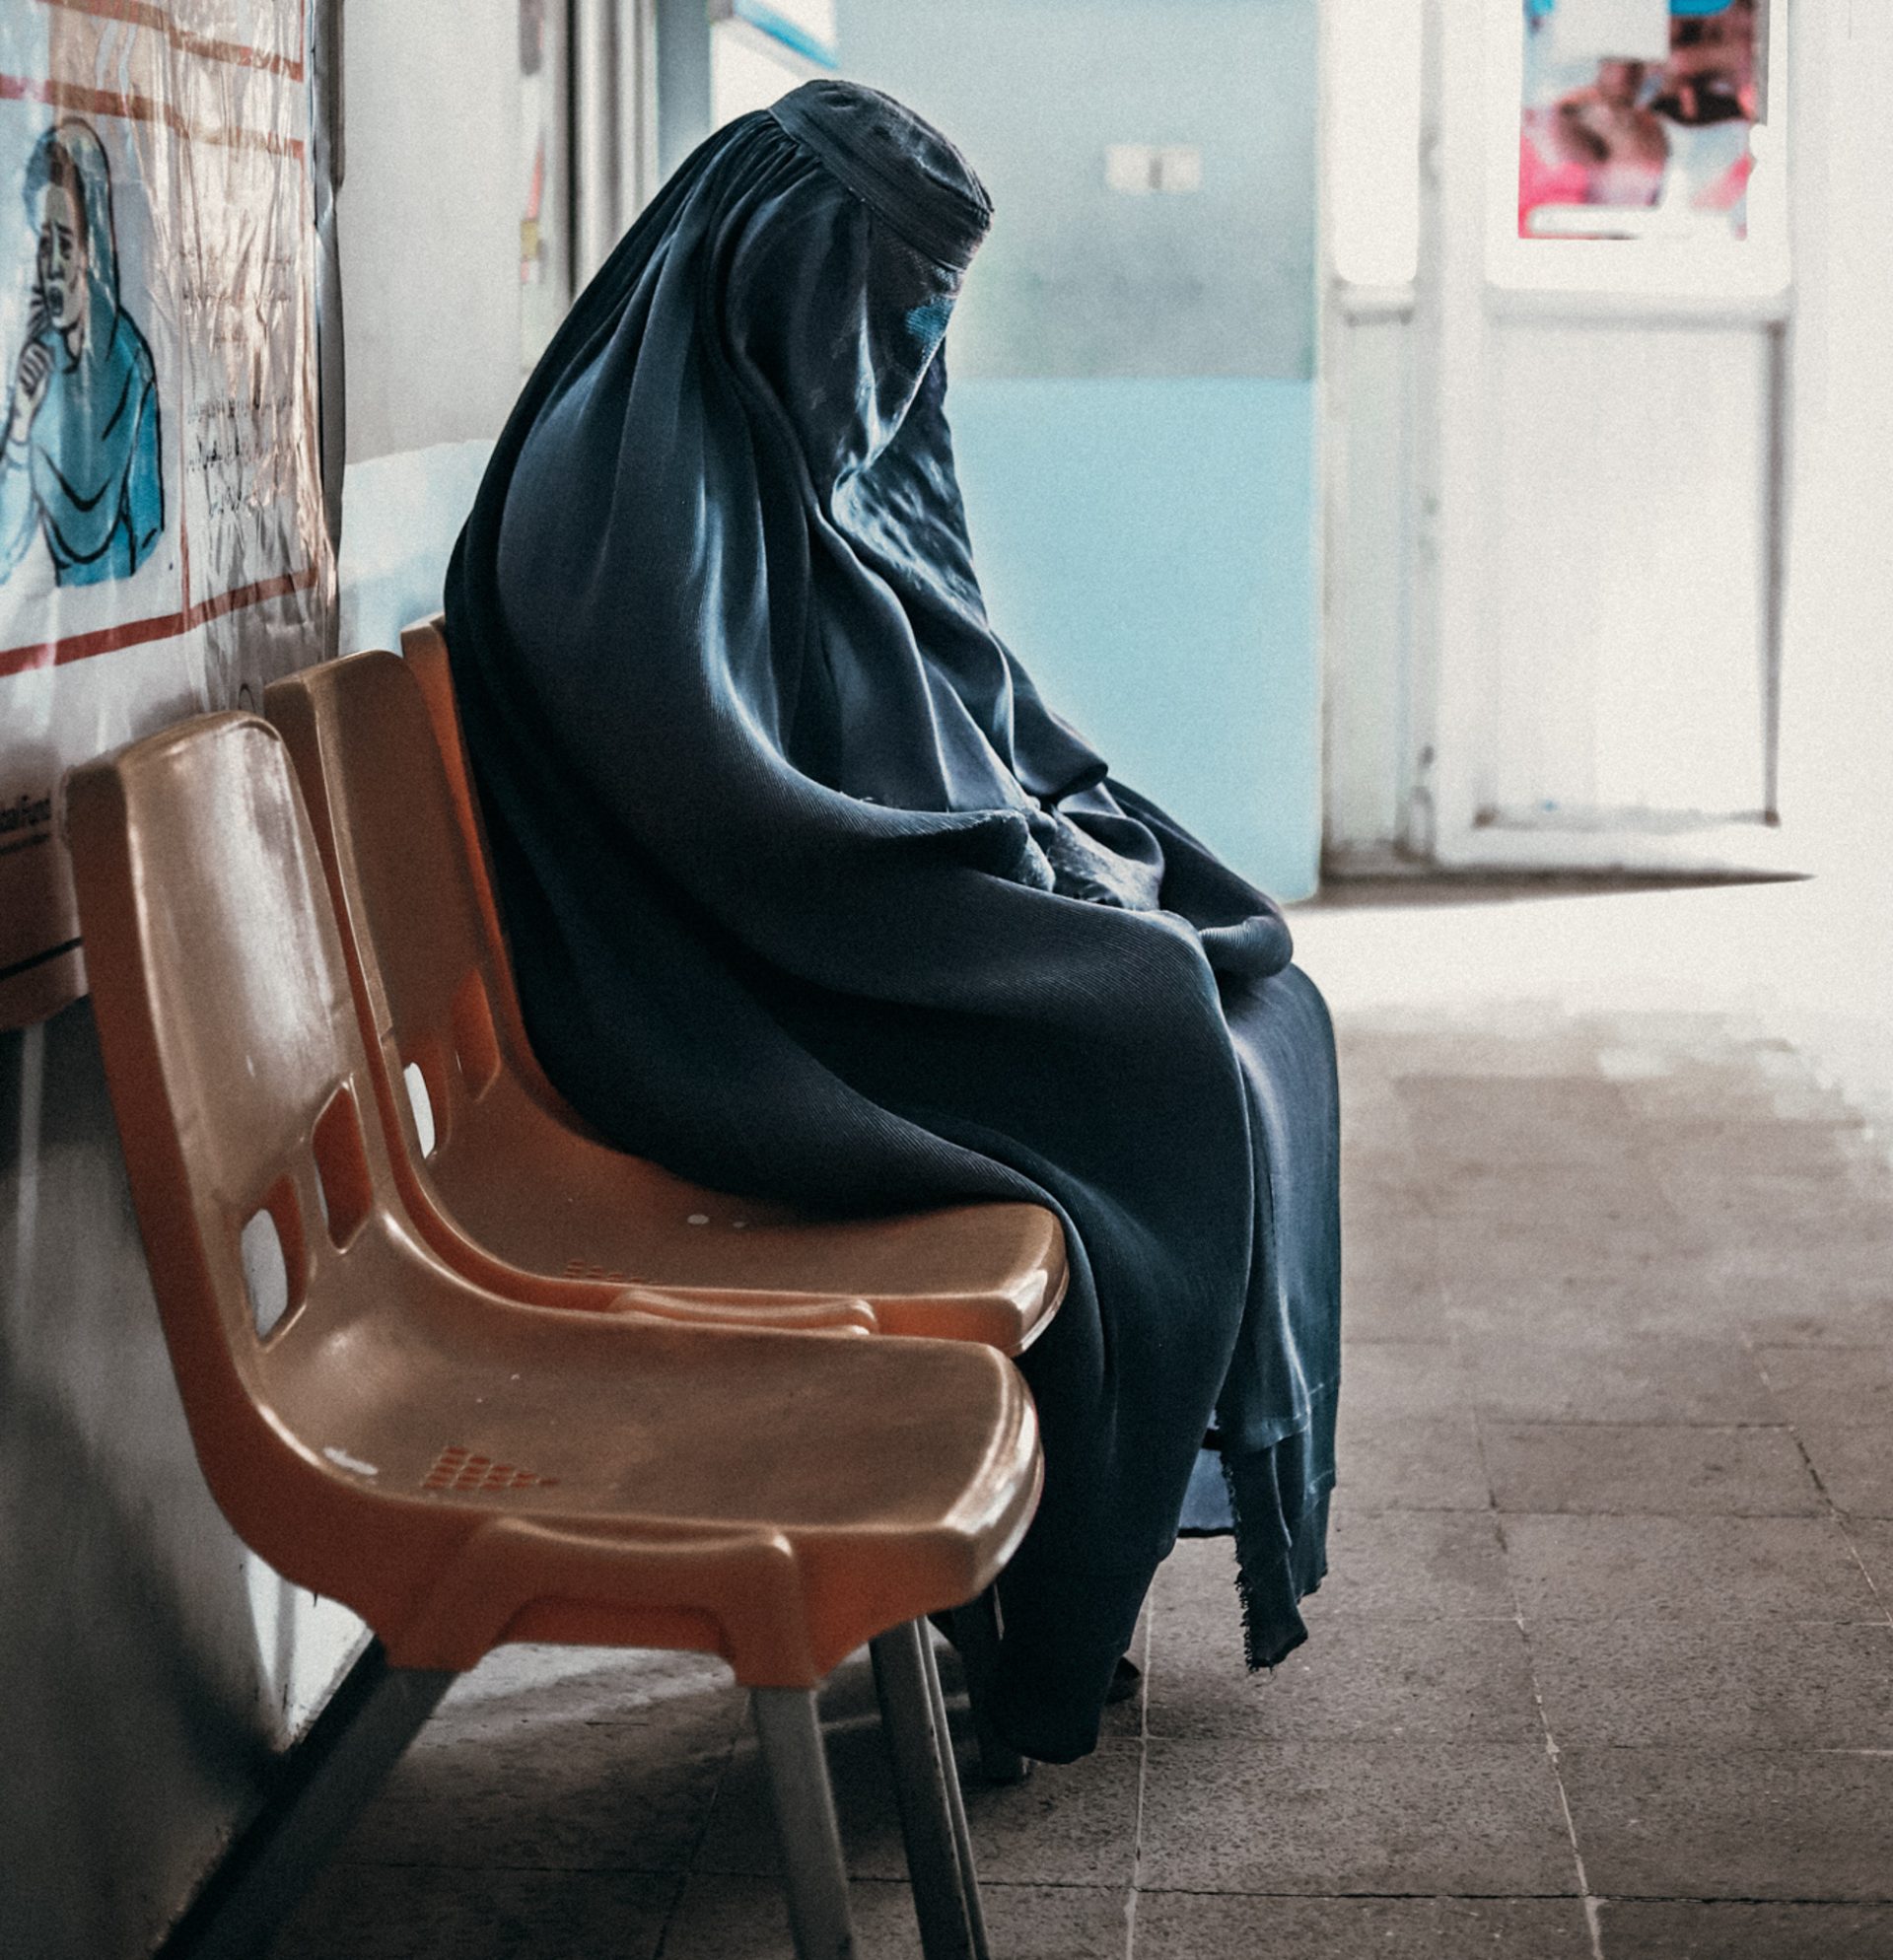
163	543
1638	117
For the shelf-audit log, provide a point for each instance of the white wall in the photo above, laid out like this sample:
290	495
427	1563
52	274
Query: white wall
1823	974
1837	732
1837	763
429	216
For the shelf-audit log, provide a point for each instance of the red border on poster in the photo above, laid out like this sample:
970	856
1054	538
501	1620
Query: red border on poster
143	14
140	108
135	632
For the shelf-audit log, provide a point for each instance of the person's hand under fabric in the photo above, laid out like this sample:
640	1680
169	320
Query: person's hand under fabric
1081	868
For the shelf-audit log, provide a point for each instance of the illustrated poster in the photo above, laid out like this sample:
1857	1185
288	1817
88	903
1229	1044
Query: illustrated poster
163	543
1637	117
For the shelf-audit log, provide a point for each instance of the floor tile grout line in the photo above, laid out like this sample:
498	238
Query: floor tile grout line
1592	1917
1143	1778
1593	1920
1365	1510
1853	1552
1540	1898
702	1835
1842	1520
1622	1423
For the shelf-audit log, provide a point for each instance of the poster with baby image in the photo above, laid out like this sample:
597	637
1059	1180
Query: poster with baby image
1639	116
163	543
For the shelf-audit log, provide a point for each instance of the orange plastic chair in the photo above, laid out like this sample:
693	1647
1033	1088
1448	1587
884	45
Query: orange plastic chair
424	648
464	1469
509	1172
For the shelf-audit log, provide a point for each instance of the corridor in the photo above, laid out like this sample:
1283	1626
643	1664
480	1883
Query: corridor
1604	1664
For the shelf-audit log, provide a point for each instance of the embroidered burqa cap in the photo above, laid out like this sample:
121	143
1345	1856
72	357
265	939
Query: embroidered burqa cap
811	896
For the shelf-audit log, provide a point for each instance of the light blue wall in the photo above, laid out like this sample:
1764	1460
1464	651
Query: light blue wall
1077	278
683	80
1131	391
1144	546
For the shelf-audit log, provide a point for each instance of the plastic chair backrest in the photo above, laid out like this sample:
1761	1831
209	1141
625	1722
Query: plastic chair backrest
241	1086
364	752
424	651
424	648
424	968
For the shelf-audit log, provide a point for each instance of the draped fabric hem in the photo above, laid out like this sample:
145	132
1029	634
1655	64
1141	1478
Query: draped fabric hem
1281	1551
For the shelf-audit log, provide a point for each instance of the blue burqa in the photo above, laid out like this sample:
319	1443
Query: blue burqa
813	897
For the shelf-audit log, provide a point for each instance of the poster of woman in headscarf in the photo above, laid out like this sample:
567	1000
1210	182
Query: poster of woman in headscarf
1636	117
81	466
164	546
87	486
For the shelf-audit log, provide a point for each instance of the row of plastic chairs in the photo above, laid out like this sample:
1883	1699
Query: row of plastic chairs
377	746
509	1384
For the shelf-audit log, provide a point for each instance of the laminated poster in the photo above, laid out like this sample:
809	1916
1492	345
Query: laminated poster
1637	117
163	543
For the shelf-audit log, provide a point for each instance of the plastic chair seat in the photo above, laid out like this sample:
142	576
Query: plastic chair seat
511	1174
491	1473
551	1201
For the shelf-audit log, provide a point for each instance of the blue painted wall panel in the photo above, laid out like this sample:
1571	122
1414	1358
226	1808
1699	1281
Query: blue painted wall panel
1133	393
1147	549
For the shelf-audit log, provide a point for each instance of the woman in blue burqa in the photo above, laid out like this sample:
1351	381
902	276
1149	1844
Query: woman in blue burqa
813	897
80	459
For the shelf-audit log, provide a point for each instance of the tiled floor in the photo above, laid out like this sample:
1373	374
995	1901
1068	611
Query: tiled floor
1604	1668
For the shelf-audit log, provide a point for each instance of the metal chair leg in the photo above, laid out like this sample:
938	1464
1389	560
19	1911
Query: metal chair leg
955	1801
976	1636
316	1793
813	1875
927	1788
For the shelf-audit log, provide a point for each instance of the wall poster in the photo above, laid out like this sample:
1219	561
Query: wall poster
164	548
1637	117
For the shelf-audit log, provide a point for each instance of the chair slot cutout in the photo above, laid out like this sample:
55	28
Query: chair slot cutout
274	1258
427	1069
476	1046
341	1166
420	1101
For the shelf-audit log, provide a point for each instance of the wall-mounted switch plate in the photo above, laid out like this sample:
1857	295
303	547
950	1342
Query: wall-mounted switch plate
1131	168
1179	167
1138	168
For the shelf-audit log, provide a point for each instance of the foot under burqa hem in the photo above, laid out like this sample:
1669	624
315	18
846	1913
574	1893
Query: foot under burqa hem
1052	1681
1058	1656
